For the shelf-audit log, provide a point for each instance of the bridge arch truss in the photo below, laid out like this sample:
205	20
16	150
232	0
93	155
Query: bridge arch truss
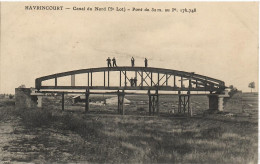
147	78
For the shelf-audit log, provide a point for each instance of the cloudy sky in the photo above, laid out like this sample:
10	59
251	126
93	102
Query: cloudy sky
220	40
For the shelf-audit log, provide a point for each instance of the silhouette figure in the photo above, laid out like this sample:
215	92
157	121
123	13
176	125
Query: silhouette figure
133	61
114	62
145	62
109	62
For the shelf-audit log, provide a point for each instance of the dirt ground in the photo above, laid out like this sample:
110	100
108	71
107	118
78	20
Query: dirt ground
102	136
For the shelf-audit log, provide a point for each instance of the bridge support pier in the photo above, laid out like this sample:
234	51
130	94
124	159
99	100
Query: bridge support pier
153	103
216	102
62	101
184	105
87	100
121	97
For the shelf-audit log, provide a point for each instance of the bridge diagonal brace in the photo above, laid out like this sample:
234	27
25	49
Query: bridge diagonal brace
148	75
126	77
160	79
166	79
144	79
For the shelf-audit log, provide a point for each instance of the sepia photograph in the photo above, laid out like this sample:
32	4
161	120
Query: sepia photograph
129	82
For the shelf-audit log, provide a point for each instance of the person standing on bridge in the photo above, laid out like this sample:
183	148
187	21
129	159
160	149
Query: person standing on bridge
145	62
109	62
133	61
114	62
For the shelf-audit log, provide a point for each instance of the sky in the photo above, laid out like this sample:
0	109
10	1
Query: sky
220	40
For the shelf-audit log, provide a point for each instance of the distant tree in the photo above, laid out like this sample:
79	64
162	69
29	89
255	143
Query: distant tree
11	96
251	85
233	90
22	86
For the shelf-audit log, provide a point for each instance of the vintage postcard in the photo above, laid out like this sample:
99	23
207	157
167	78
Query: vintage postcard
129	82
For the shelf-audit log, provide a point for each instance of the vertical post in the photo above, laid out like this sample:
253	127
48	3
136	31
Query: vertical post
118	103
149	94
142	79
184	104
181	82
55	81
87	100
108	78
153	105
120	79
91	78
122	104
189	112
166	79
125	78
157	102
158	79
174	81
151	79
62	101
196	83
88	79
179	105
104	78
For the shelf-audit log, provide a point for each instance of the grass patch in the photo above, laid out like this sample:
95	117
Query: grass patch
110	138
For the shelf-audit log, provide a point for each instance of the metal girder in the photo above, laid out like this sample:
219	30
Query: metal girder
208	83
164	88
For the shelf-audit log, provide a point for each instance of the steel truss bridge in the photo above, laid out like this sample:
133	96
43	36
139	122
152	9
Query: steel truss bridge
149	79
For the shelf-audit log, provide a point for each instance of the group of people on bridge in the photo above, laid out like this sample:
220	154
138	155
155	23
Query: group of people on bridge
132	62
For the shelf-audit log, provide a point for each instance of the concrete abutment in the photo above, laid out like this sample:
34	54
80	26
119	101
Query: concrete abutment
216	101
27	98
